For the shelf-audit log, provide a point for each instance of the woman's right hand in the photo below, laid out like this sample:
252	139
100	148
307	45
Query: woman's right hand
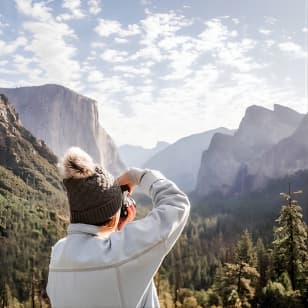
131	178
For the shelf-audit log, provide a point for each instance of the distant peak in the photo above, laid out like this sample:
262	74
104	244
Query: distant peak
280	108
256	108
161	143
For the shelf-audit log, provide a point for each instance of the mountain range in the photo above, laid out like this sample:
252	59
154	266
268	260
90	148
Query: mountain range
268	144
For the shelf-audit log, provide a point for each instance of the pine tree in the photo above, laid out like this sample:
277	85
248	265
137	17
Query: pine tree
238	279
245	251
263	263
290	244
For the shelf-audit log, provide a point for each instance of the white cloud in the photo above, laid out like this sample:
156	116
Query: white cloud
121	40
141	71
7	48
74	6
27	67
113	56
36	10
265	31
215	34
55	56
47	41
234	54
150	52
107	27
94	7
98	45
293	49
162	25
95	76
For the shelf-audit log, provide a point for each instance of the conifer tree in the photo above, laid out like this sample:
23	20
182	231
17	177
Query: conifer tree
263	263
237	281
290	244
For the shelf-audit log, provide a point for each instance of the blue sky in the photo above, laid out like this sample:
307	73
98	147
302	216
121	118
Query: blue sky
160	70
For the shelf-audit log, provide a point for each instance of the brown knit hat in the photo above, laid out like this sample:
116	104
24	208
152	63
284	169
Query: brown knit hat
93	194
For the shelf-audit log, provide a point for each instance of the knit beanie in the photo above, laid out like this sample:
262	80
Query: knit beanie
93	194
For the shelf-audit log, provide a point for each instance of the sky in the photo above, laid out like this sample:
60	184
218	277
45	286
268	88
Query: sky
160	70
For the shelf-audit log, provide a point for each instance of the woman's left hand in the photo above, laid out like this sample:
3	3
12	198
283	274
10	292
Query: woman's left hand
131	214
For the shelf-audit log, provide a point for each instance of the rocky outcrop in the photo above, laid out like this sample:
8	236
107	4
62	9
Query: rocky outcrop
64	118
180	161
225	165
284	159
25	156
136	156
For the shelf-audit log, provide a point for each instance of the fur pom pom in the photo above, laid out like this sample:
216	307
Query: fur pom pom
76	164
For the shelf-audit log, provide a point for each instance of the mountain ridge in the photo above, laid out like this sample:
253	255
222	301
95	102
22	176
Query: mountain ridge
137	155
180	161
222	166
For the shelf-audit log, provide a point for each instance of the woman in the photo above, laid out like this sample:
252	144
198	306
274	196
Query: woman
107	260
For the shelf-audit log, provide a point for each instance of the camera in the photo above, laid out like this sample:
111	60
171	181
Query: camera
126	201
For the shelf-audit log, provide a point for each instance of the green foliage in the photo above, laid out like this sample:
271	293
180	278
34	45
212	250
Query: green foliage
290	246
275	295
245	250
263	263
27	234
32	207
236	282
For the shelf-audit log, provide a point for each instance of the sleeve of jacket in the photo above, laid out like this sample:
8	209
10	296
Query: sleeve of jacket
146	242
168	217
171	206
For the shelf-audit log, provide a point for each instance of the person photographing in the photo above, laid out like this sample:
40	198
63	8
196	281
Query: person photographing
107	259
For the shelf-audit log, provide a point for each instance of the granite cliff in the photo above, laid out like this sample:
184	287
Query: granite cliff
64	118
285	158
224	166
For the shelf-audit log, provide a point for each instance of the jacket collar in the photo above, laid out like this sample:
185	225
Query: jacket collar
82	228
86	229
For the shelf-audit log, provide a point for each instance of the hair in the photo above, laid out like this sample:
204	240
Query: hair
104	223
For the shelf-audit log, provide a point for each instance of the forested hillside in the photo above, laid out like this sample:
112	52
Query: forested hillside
32	211
242	252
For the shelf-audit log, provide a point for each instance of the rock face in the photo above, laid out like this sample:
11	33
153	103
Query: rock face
285	158
136	156
180	161
63	118
24	155
226	165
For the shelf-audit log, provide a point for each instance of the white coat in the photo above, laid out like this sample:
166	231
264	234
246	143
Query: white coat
88	271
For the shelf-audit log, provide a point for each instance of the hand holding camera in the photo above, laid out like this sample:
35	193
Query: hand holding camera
128	181
131	178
